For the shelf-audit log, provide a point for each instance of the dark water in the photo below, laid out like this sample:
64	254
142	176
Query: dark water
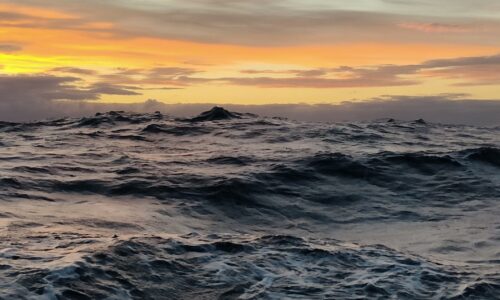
233	206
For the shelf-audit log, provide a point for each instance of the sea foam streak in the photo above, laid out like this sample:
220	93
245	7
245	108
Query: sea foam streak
229	205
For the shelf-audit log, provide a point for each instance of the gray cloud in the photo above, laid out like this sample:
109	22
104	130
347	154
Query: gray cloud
103	88
76	71
463	61
30	88
440	27
470	71
447	109
176	77
9	47
43	88
34	96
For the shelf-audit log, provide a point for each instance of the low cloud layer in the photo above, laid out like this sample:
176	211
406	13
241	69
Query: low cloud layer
448	109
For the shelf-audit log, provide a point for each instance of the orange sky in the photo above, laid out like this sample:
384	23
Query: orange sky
316	63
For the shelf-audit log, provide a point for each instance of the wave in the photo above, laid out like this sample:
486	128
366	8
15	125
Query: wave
216	114
227	267
231	160
116	117
487	155
176	130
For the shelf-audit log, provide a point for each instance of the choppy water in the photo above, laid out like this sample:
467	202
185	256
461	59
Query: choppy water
229	206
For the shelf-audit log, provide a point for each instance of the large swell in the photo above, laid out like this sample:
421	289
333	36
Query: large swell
234	206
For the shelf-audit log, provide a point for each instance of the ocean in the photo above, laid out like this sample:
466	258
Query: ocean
236	206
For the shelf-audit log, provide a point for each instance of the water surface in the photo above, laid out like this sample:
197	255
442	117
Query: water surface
234	206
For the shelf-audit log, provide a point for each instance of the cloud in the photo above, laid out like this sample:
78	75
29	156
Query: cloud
449	8
342	77
376	76
463	61
173	76
41	87
30	88
438	27
468	71
8	48
258	23
386	75
73	70
28	97
103	88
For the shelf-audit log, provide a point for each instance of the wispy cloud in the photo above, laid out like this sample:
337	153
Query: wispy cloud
73	70
439	27
480	70
10	47
465	71
165	76
469	71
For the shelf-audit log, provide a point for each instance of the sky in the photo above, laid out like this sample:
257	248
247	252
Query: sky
242	52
